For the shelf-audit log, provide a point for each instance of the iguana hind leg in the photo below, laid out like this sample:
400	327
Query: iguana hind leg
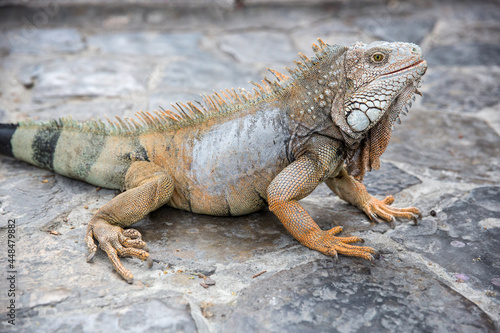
148	187
292	184
354	192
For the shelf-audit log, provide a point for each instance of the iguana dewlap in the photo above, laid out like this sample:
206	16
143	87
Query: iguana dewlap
239	152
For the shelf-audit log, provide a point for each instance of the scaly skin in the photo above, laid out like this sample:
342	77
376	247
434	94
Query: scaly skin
354	192
241	152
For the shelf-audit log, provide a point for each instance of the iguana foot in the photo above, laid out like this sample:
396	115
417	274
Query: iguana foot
380	211
116	242
327	243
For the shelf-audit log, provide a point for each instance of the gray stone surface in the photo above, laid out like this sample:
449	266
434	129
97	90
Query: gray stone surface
465	54
470	153
331	29
463	238
203	75
323	297
87	77
442	275
252	47
147	43
391	28
31	40
462	89
174	3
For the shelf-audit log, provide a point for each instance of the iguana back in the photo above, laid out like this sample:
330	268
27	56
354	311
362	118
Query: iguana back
223	166
220	166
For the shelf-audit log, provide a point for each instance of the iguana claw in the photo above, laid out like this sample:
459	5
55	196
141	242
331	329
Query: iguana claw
330	245
116	242
336	258
380	211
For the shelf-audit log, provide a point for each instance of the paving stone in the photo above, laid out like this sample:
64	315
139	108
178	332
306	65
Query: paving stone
220	241
331	31
454	31
164	314
87	109
64	193
492	117
5	48
269	18
466	231
445	142
147	43
187	79
464	54
203	75
86	77
31	40
163	98
378	10
388	180
347	297
471	11
3	116
390	28
254	47
170	3
461	89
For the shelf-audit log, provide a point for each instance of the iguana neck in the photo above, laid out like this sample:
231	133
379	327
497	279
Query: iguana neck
308	100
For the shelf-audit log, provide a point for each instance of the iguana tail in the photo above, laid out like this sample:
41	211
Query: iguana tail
6	132
93	156
34	144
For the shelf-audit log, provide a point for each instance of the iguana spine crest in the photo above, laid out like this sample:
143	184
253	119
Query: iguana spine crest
214	105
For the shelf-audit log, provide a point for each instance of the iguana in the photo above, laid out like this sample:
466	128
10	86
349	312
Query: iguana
238	152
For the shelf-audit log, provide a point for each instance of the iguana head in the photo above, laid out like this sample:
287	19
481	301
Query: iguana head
380	78
379	81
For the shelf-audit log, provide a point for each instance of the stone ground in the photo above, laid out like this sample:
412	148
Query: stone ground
86	61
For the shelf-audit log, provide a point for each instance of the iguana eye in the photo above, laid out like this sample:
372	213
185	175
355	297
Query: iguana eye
378	57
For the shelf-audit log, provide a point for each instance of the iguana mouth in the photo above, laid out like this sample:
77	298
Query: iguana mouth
407	67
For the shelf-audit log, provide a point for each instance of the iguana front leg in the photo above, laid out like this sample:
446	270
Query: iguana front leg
148	188
294	183
355	193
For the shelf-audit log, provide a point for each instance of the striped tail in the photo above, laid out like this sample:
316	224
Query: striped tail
33	144
6	133
72	150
